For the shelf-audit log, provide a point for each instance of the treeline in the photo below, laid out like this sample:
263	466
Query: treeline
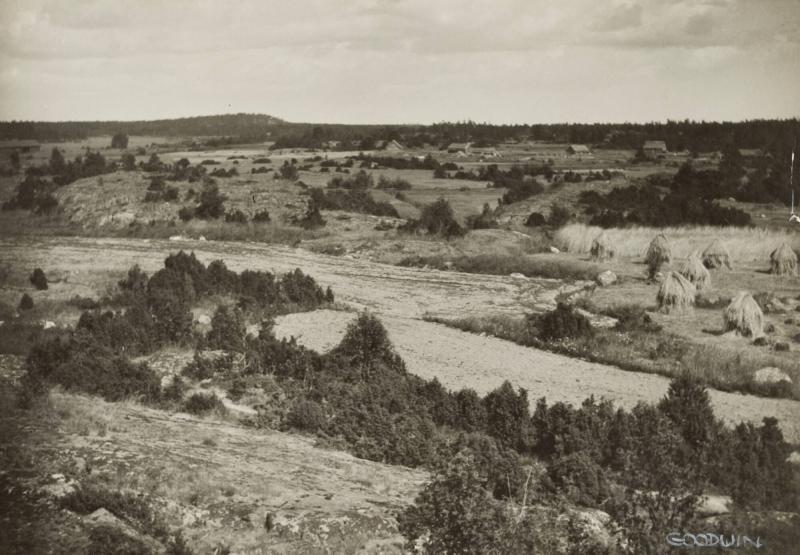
771	135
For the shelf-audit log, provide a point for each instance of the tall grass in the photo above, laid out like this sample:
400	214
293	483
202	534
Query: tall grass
752	244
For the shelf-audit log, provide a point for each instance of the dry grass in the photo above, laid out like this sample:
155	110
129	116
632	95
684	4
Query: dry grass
743	244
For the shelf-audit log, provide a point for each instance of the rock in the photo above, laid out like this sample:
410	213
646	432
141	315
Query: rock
597	320
47	324
794	457
204	319
61	486
201	238
102	518
516	275
774	304
711	505
177	238
606	278
770	374
554	250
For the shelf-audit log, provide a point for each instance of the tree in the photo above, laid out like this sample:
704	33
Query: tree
438	219
26	302
57	164
211	202
38	279
128	162
15	160
119	140
508	417
228	330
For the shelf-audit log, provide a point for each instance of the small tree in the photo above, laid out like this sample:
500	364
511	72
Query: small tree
227	330
57	165
438	219
211	202
38	279
128	162
26	302
119	140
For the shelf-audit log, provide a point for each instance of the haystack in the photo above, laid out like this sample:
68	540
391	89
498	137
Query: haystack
744	316
694	270
659	248
676	294
783	261
602	248
658	253
716	256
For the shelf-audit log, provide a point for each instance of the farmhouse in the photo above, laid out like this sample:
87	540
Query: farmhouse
393	146
453	148
7	147
653	149
331	144
578	149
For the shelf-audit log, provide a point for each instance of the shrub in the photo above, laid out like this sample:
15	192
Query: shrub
262	216
26	302
236	217
227	330
186	213
559	216
306	415
301	289
206	365
119	140
564	323
38	279
204	403
535	220
211	202
580	478
437	219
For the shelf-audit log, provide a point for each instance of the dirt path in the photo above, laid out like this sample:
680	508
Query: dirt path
401	296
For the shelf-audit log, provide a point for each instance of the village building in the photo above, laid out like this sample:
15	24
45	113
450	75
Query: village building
654	149
454	148
578	150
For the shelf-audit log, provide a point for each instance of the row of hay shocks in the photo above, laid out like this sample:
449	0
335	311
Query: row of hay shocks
678	289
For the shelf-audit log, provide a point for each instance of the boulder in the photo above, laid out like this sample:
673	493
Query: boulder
517	276
103	518
47	324
711	505
606	278
770	374
554	250
204	319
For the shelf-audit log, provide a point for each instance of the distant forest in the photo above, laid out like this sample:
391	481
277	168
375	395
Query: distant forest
770	135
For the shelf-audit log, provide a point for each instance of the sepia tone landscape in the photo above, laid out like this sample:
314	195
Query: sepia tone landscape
241	334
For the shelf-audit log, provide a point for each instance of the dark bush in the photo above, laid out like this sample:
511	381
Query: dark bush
26	302
306	415
211	204
236	216
535	220
580	479
437	219
262	216
227	330
559	216
38	279
564	323
204	403
186	213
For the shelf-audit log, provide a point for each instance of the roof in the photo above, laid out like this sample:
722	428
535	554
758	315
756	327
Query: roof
394	145
18	143
750	152
579	148
655	145
458	146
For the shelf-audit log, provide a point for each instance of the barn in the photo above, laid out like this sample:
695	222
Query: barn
654	149
578	150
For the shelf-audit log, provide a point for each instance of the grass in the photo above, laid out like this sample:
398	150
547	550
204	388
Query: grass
753	244
505	264
646	350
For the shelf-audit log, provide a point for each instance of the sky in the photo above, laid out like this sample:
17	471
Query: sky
401	61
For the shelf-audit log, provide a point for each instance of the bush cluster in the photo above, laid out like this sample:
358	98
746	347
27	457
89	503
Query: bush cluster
351	200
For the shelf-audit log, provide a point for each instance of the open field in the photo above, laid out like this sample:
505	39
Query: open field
401	297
